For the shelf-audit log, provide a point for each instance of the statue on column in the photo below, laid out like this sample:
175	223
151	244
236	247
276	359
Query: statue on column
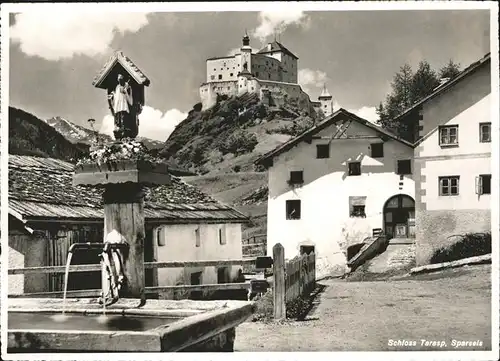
124	109
125	84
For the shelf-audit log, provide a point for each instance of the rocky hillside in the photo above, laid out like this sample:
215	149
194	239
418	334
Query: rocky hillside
29	135
77	134
230	136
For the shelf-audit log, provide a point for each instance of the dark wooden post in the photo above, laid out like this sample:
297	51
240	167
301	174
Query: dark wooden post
279	282
124	212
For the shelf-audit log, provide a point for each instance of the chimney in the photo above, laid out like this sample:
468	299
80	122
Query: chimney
269	46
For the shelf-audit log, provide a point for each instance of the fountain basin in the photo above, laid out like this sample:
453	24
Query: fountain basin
36	325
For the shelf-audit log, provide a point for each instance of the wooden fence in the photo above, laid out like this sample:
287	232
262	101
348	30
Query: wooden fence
292	279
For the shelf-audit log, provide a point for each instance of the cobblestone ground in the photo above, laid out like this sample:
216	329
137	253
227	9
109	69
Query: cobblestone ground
363	316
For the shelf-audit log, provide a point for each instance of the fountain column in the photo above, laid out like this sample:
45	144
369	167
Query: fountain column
123	168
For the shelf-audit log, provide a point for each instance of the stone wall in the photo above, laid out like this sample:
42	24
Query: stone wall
436	226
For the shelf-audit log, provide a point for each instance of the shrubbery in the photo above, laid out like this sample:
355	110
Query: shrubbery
297	127
239	142
468	245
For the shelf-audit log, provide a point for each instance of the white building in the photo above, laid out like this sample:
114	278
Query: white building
47	214
330	187
272	71
452	133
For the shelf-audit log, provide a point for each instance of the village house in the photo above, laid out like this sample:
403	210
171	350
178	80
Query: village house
47	214
451	129
330	187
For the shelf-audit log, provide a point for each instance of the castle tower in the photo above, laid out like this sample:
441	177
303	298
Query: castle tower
326	101
246	54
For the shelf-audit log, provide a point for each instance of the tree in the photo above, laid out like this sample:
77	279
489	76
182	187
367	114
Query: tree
424	81
407	89
450	70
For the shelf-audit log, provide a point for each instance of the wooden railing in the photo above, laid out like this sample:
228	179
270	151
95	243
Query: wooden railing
292	279
147	265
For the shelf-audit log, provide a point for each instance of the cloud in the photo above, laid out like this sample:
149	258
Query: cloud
153	123
310	79
63	34
368	113
271	22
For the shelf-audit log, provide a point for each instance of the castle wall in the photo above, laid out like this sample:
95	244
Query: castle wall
209	91
284	92
266	68
223	69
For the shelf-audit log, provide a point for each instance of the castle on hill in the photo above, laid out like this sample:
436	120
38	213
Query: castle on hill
271	73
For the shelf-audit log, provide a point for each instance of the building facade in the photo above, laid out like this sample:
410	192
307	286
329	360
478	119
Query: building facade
47	214
332	186
453	159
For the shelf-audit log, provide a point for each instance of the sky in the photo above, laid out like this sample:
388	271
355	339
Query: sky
54	56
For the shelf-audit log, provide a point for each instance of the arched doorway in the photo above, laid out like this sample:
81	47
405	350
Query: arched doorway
399	217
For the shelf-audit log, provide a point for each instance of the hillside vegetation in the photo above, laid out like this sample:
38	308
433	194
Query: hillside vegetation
29	135
230	136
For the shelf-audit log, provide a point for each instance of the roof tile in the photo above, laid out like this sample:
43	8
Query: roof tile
43	187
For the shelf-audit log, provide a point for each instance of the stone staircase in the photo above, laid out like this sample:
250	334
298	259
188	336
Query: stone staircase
399	254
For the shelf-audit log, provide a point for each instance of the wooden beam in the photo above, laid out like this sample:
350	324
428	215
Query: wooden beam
279	289
149	290
124	212
147	265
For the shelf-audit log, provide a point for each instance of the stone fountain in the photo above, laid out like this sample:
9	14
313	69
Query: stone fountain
122	320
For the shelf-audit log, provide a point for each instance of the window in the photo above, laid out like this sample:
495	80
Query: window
377	150
160	236
196	280
448	135
220	76
355	168
404	166
231	74
296	177
223	275
197	236
448	186
322	151
212	77
483	184
256	73
222	235
485	132
358	211
357	206
293	209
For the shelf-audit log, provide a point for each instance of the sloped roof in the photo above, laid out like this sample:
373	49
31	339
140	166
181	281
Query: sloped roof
119	58
445	86
42	189
325	93
275	47
332	119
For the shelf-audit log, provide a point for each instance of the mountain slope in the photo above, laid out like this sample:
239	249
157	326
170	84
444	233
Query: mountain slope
77	134
230	136
29	135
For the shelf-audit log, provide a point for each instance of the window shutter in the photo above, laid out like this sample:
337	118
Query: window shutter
479	185
160	235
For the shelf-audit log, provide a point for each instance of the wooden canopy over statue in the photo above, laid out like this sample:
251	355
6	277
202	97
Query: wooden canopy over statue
124	83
